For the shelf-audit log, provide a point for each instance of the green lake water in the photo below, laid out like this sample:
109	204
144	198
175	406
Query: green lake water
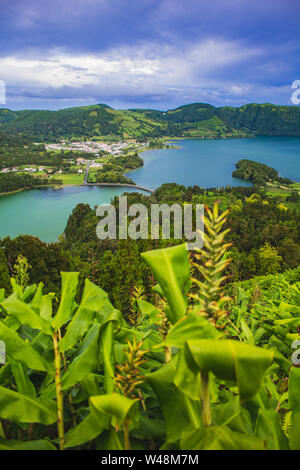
44	212
207	163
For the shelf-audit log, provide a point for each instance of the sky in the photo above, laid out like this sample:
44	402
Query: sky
156	54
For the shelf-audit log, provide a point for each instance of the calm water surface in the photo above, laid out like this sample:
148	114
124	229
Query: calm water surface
44	212
209	163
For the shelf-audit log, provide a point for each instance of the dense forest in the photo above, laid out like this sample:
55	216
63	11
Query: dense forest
196	120
264	232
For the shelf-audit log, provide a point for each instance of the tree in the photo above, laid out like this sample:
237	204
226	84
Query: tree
290	252
269	260
4	272
21	271
46	260
250	265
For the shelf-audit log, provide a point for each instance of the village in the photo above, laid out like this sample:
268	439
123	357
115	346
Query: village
114	148
87	157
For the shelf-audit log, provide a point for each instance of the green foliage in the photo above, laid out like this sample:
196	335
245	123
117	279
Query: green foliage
269	259
16	150
46	261
188	383
4	272
253	222
13	182
257	173
112	171
171	262
21	269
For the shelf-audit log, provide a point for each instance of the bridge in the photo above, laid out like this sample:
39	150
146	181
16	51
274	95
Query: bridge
136	186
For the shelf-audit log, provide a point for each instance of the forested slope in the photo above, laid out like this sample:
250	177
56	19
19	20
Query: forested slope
196	120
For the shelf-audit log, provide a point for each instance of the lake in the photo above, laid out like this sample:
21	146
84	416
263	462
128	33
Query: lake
44	212
207	163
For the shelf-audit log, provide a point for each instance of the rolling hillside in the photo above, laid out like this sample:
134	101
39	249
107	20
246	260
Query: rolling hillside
194	120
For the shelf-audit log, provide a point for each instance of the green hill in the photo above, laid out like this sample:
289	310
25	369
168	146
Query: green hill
196	120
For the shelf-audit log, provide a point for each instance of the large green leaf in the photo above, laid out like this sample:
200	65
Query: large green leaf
93	299
89	428
85	361
26	445
118	408
113	321
220	438
179	411
294	389
21	408
294	434
290	309
191	326
21	350
29	293
16	288
109	409
90	384
111	440
5	373
68	293
149	312
293	322
25	314
232	415
46	307
294	400
23	382
107	355
268	427
43	303
171	269
151	427
228	360
38	295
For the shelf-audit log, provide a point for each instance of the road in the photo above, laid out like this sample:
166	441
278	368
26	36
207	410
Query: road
86	174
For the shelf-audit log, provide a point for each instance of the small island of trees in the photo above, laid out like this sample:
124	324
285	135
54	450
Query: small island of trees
257	173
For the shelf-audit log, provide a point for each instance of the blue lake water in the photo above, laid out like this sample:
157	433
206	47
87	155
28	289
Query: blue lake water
207	163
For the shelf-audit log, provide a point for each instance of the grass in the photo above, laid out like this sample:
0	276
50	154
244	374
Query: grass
70	179
274	189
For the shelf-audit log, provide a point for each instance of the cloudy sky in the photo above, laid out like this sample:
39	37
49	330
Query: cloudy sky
148	53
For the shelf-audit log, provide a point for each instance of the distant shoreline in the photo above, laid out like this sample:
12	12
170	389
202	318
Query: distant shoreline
142	188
